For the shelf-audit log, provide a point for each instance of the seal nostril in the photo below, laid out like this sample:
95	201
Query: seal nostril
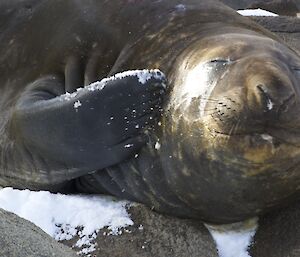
261	88
287	103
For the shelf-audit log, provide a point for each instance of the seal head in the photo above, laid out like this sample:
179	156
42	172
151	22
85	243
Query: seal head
235	110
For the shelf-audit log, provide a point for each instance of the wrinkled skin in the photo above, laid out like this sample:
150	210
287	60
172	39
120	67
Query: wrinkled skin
227	145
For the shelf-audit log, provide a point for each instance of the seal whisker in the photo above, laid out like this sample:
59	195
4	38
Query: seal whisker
232	129
209	114
236	126
211	109
209	99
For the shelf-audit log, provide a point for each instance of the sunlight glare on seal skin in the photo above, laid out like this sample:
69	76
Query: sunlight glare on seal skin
197	83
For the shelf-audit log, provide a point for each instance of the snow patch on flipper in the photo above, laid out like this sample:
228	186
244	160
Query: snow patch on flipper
234	239
142	75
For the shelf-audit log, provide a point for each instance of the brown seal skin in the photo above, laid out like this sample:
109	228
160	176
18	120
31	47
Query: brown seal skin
227	146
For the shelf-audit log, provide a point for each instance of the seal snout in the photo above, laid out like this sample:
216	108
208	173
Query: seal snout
278	101
275	107
270	95
262	100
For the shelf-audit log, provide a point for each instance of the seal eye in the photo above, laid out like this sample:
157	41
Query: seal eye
296	70
219	61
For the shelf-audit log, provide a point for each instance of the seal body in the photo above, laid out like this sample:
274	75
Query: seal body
227	145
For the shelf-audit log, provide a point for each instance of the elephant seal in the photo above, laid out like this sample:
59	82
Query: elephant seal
227	145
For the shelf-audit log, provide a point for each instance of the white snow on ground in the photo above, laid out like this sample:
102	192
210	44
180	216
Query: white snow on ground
233	240
256	12
60	216
64	216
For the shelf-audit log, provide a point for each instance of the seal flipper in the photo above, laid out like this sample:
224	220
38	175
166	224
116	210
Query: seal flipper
98	126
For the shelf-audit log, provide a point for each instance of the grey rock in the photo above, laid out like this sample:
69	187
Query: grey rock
278	234
288	28
21	238
280	24
156	235
282	7
237	4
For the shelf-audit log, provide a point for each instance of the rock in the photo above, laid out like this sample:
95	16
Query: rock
282	7
237	4
280	24
278	234
21	238
288	28
156	235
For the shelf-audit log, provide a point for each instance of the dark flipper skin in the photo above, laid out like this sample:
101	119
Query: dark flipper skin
48	48
96	127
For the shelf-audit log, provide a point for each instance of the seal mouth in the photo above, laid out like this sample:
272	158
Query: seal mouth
273	135
254	152
285	135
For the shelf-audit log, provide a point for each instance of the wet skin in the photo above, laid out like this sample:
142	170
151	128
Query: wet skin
226	147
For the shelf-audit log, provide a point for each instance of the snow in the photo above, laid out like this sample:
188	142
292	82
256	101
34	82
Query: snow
68	96
233	240
128	145
180	8
64	216
77	104
256	12
157	145
142	75
197	83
